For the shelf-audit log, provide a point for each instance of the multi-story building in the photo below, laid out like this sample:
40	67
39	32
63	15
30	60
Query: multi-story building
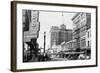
30	24
88	43
82	22
59	35
54	35
30	21
65	35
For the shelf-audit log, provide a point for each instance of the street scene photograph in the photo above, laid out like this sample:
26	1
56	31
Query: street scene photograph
56	35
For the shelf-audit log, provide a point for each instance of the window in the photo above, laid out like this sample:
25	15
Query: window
25	21
83	43
88	34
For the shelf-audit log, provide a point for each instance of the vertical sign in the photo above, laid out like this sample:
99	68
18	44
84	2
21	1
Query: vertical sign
34	21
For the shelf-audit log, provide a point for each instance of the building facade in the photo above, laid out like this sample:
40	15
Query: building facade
31	26
59	35
81	23
88	38
54	35
65	35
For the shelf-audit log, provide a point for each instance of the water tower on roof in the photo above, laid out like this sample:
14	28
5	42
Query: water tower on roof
63	26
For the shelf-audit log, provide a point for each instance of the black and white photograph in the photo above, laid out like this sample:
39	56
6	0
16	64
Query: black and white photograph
56	36
49	36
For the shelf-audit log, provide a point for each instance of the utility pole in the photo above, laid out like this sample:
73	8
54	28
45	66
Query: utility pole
44	42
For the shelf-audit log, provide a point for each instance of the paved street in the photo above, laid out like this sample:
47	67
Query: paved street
59	59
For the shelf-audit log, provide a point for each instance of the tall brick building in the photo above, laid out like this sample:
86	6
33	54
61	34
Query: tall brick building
59	35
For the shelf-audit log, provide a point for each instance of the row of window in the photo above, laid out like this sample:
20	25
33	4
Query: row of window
83	43
79	17
89	34
80	25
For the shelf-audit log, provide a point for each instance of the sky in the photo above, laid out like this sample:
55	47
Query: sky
50	18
